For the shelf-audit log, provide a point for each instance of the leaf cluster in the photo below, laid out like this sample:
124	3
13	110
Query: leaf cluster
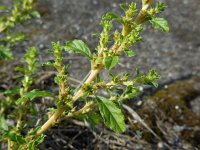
22	106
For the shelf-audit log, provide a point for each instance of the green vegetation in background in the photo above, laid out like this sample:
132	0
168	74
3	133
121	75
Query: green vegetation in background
20	12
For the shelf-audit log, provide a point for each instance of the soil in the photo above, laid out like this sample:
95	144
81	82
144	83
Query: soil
172	111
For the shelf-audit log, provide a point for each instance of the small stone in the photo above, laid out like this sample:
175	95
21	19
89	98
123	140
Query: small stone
114	5
41	46
10	122
95	2
166	86
160	145
178	128
141	88
139	103
176	107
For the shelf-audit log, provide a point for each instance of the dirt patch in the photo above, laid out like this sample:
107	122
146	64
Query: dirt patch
169	113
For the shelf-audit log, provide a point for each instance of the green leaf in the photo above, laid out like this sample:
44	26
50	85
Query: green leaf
12	136
49	64
34	130
112	115
107	19
31	146
32	95
2	8
160	6
160	23
152	76
129	53
78	46
35	14
3	124
5	53
130	92
21	100
93	118
110	16
36	93
20	69
124	6
110	62
11	92
39	139
148	79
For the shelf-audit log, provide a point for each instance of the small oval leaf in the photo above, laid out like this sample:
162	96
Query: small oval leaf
78	46
129	53
36	93
32	95
3	123
110	62
160	23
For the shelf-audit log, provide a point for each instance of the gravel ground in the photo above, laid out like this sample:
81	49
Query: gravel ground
174	55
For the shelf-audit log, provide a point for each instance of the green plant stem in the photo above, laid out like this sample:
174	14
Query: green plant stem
22	112
140	17
86	108
125	30
19	122
2	28
9	145
53	119
2	111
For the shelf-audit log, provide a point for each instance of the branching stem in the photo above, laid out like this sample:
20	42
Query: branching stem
53	119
